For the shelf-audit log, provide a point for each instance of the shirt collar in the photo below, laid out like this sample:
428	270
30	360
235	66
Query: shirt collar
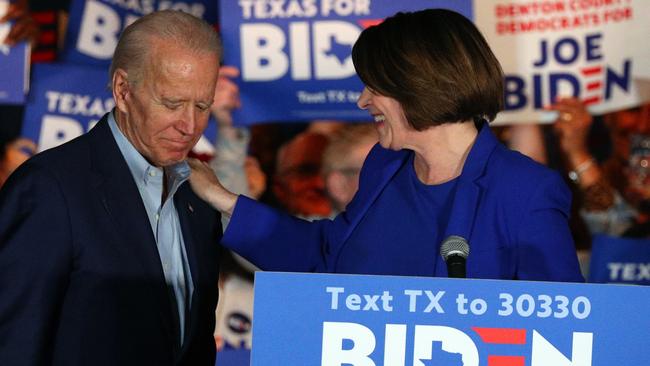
140	168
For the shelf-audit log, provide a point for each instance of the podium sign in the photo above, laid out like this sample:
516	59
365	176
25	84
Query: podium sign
325	319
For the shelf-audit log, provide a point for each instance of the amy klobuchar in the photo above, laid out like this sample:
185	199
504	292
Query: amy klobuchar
432	85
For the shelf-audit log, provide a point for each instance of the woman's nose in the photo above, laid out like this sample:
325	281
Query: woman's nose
364	99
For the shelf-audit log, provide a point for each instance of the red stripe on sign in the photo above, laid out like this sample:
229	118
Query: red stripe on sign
592	100
595	85
506	360
501	335
46	38
588	71
43	56
365	23
46	17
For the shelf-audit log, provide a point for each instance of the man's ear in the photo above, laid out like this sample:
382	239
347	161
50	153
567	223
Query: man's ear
121	89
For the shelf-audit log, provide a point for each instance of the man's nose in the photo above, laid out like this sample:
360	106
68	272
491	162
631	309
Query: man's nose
187	124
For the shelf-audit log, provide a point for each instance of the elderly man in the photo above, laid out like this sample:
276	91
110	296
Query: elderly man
342	162
106	255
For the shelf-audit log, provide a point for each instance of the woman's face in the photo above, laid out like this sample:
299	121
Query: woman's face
390	121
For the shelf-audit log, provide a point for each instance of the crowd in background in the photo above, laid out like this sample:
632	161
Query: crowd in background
311	170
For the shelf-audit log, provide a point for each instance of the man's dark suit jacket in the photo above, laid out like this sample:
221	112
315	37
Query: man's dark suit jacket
81	282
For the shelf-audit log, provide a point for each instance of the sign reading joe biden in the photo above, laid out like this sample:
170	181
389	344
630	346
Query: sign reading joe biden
295	55
335	320
95	25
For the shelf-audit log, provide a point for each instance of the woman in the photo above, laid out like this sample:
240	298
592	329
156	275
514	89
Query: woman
431	84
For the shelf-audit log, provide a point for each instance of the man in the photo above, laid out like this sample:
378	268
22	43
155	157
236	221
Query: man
106	256
298	184
342	162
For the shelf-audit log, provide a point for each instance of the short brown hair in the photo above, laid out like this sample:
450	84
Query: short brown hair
435	63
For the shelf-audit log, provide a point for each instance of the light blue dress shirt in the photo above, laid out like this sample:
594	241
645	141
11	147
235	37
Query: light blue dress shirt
163	217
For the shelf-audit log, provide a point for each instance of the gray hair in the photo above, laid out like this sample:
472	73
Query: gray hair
182	29
344	141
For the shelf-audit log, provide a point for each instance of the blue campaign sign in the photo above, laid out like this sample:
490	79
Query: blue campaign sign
66	100
237	357
294	56
94	26
620	260
14	78
325	319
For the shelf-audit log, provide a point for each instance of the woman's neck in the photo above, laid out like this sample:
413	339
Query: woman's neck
441	151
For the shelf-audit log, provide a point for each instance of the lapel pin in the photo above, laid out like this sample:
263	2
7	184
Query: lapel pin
190	207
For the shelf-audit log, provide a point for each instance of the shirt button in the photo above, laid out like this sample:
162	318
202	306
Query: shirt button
152	173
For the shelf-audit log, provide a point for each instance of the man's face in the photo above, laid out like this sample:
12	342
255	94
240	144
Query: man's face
637	172
299	185
164	114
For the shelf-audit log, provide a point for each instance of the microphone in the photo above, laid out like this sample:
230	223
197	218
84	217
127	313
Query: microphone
454	250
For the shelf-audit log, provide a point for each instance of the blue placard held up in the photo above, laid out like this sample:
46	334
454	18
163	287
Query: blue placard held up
319	319
14	77
295	56
66	100
95	26
620	260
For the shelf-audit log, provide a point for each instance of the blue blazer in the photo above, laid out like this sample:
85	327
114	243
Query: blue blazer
81	282
513	211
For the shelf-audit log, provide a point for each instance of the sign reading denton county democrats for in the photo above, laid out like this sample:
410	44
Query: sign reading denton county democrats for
295	55
95	25
620	260
66	100
336	320
586	49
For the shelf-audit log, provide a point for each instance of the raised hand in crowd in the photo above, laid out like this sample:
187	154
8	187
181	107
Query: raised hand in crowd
237	171
226	95
24	27
572	128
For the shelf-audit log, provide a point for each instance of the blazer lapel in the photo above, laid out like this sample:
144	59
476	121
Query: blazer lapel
381	175
468	192
121	199
185	211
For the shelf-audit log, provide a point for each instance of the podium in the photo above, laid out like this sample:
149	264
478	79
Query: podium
326	319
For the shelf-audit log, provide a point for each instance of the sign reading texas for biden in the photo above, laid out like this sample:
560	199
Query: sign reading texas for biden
295	55
66	101
95	25
336	320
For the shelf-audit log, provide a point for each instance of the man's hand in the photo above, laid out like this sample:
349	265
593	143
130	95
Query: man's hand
226	95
